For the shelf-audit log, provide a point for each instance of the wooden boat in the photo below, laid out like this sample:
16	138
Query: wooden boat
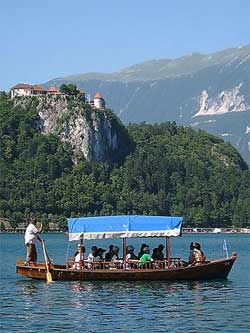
169	269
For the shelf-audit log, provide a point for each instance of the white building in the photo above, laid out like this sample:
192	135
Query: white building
24	89
99	102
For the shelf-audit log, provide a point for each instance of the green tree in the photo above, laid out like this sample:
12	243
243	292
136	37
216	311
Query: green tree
70	89
158	169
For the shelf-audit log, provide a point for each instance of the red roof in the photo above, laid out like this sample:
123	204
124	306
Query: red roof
53	89
36	87
28	86
98	95
22	86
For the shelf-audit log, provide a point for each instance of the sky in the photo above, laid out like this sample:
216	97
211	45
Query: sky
42	40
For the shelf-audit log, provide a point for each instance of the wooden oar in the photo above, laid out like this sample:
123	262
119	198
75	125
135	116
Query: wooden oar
48	274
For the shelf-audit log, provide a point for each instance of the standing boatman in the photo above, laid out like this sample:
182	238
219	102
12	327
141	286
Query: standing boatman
31	237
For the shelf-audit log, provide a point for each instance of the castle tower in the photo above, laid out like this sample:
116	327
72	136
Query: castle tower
99	102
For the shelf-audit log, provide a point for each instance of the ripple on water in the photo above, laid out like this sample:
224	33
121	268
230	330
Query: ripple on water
123	307
190	307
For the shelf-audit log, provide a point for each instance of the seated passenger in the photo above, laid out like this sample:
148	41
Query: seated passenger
140	254
200	257
92	256
131	258
115	253
109	254
79	256
130	253
157	253
190	258
99	254
196	256
115	261
146	257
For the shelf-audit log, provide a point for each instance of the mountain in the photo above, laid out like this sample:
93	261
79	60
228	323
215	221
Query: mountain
205	91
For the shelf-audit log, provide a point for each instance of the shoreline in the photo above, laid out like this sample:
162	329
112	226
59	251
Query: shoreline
184	231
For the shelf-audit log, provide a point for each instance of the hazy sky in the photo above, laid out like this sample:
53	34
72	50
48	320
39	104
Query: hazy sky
41	40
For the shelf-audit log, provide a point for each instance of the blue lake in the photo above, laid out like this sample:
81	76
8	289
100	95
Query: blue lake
201	306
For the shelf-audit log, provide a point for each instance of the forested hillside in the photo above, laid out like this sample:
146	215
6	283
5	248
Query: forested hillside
171	170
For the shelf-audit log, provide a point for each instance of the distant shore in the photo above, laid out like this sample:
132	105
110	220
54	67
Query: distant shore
184	231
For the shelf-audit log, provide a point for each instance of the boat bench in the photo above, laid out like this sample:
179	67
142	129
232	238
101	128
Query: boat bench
130	265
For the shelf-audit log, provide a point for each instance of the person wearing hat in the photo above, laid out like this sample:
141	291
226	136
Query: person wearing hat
157	253
146	257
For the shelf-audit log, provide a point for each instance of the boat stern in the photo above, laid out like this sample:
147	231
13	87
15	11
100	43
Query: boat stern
34	271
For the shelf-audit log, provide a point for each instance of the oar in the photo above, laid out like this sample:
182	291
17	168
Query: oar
48	274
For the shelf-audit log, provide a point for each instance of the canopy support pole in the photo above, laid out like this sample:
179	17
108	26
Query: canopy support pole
81	253
124	252
67	254
168	251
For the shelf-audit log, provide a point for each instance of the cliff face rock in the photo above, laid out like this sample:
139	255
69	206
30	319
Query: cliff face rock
95	134
94	137
227	101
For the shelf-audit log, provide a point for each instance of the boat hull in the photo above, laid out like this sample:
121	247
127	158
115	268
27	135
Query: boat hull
217	269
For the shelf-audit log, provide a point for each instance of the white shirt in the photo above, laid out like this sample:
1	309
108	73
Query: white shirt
91	257
128	256
77	261
31	234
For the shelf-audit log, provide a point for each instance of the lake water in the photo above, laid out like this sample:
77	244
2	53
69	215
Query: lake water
204	307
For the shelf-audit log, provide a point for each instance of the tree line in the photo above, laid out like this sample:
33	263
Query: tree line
169	170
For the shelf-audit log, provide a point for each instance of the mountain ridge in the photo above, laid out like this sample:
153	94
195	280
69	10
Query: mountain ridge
206	60
212	87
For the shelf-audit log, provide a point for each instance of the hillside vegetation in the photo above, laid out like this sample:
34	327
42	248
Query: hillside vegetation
171	170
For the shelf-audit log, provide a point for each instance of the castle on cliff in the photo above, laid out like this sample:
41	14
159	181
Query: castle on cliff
29	90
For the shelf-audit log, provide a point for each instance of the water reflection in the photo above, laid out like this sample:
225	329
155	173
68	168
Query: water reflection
24	287
79	287
120	306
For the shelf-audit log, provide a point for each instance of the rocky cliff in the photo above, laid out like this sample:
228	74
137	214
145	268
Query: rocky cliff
98	135
230	100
